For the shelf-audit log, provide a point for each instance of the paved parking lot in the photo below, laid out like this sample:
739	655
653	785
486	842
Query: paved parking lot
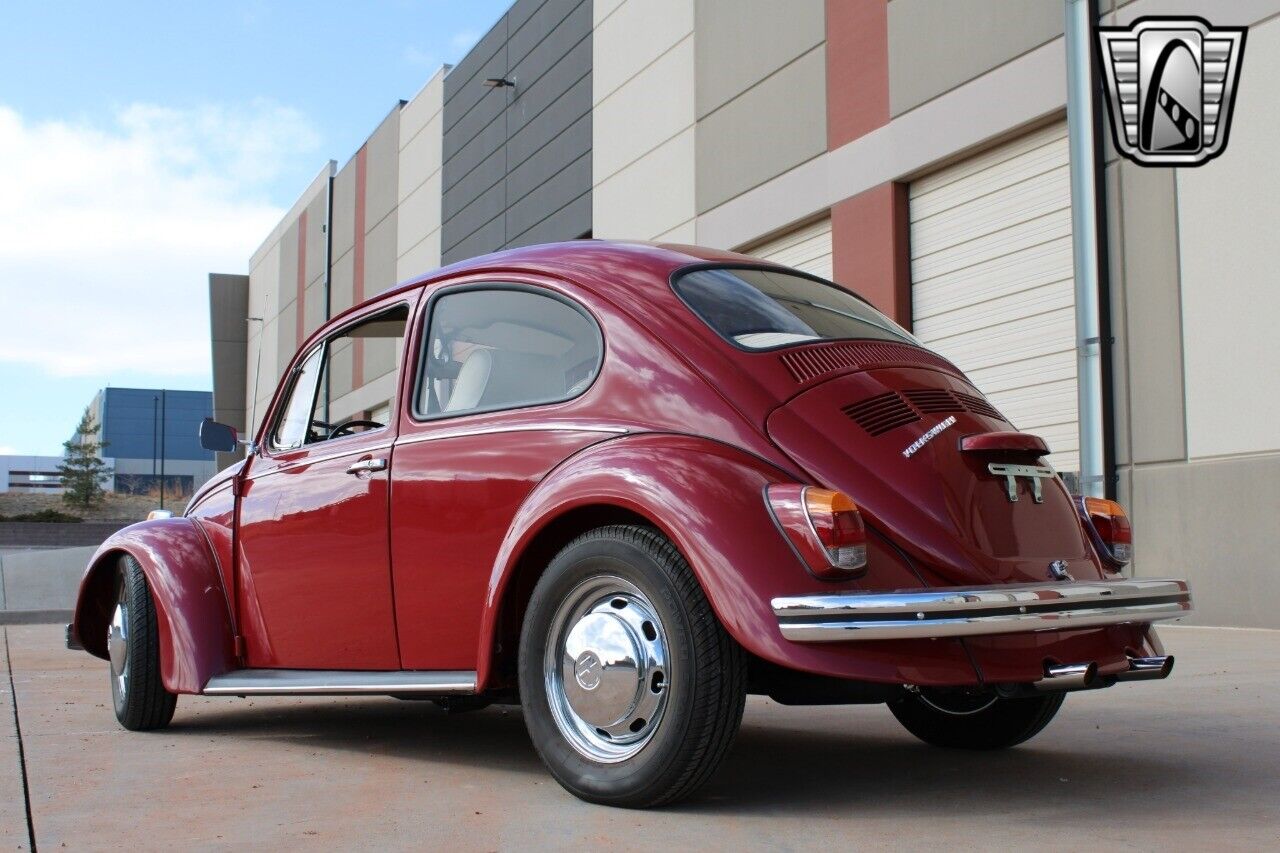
1193	762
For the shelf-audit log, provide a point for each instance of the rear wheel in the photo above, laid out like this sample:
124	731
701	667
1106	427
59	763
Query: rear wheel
972	719
133	646
632	690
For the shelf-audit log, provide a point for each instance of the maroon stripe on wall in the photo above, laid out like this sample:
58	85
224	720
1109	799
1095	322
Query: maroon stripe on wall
301	304
362	183
857	69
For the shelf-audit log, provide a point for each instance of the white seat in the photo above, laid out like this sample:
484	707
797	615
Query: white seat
473	378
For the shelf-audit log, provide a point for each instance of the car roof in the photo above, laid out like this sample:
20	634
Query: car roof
573	258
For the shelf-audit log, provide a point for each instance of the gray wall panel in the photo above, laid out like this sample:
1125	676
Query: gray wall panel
471	155
569	108
517	162
477	182
573	219
316	238
527	211
936	45
462	87
344	209
548	160
551	15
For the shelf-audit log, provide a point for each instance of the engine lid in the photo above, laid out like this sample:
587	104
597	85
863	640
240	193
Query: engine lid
892	439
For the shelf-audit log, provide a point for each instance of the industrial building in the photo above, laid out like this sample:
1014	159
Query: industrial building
915	151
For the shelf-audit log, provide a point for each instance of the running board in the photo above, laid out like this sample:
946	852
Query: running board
316	682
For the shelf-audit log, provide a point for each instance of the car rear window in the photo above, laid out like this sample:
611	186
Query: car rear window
758	309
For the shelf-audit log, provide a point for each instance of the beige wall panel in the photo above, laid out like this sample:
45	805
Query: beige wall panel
366	397
425	106
1230	255
340	366
741	42
286	337
1119	326
288	287
344	209
650	109
685	233
1213	523
649	197
1152	334
342	283
420	158
380	257
383	183
264	285
936	45
420	259
737	151
316	238
418	217
313	314
601	9
632	36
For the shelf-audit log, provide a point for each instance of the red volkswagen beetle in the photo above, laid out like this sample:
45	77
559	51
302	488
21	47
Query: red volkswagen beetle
625	485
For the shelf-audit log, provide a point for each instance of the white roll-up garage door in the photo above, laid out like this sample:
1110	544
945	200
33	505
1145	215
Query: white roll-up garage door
991	281
806	248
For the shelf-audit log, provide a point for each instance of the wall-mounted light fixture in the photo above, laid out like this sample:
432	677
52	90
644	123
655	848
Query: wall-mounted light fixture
499	82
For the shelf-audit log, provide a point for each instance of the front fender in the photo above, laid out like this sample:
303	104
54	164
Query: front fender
708	499
196	637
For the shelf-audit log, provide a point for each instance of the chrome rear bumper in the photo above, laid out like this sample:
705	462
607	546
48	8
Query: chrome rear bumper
978	610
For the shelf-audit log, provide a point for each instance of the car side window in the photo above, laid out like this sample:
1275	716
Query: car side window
347	385
291	430
503	348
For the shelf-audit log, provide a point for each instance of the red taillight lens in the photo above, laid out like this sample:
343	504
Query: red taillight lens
824	526
1109	527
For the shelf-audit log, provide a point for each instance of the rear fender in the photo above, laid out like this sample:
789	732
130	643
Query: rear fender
708	499
196	637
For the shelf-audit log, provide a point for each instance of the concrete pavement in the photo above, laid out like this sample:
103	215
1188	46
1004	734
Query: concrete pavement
1192	762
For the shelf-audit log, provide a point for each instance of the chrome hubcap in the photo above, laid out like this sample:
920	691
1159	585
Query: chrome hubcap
606	669
118	647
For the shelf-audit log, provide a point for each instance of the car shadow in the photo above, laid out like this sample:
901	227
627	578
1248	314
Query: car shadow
771	766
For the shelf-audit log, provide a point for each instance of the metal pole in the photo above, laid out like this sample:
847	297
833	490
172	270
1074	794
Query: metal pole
1080	16
162	425
155	431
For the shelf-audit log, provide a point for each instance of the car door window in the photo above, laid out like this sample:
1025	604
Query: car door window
291	431
347	385
503	348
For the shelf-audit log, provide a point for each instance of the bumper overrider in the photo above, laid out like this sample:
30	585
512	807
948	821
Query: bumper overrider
978	610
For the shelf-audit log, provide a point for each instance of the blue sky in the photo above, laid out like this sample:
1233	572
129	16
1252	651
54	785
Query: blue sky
145	144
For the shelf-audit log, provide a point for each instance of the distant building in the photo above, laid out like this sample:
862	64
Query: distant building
149	432
31	474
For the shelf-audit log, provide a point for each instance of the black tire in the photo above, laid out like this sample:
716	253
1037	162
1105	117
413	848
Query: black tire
141	703
987	721
703	707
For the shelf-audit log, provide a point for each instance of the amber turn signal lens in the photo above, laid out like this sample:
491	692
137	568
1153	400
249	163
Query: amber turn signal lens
1111	527
824	527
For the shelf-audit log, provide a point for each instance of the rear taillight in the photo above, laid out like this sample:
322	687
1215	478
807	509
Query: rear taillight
824	526
1108	526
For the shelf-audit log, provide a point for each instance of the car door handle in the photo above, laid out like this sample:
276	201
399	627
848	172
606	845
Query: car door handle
366	465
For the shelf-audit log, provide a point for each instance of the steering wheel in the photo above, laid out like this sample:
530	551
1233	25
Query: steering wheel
345	427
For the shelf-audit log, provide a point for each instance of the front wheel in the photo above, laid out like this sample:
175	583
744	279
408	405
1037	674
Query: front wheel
632	690
133	646
974	720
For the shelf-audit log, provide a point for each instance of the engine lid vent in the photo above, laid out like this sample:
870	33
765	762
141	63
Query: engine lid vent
890	410
812	362
881	413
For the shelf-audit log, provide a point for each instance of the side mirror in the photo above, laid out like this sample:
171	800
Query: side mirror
218	437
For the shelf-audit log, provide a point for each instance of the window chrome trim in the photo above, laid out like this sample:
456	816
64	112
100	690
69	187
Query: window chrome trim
487	430
417	416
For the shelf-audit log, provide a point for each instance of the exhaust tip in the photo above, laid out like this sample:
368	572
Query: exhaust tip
1069	676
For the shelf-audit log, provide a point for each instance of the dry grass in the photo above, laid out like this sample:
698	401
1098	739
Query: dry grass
112	508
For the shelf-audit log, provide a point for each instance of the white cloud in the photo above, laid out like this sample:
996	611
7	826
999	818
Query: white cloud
107	233
6	450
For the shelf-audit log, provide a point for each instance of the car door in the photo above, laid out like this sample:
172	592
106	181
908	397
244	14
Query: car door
497	403
314	546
